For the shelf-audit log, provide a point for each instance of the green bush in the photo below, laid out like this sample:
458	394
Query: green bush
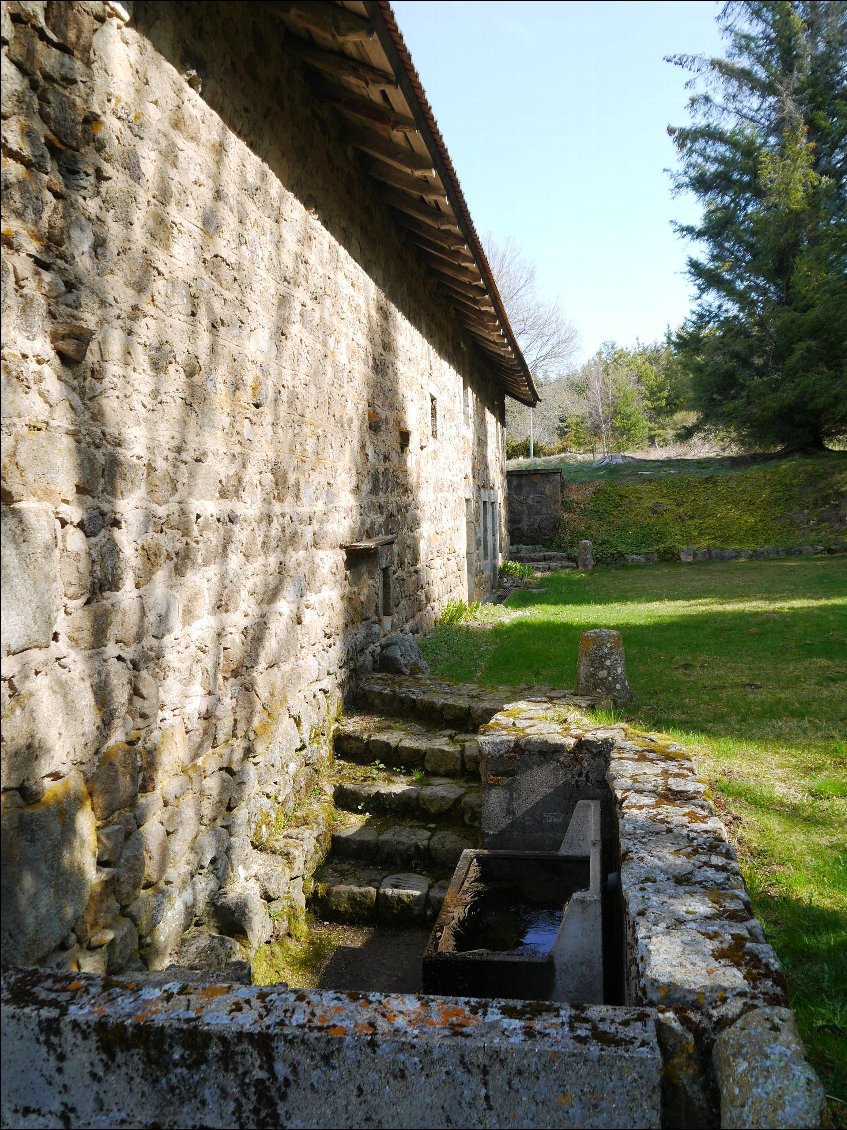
793	502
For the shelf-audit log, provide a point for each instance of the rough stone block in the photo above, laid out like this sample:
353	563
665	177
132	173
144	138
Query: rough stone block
437	799
403	898
31	591
443	757
241	915
403	845
446	847
49	867
114	784
355	843
763	1075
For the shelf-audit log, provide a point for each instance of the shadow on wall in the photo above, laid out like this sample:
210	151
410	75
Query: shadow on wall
213	313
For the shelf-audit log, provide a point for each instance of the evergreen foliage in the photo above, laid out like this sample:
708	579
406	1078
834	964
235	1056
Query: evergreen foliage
767	157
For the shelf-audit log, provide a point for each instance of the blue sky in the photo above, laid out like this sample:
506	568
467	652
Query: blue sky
555	115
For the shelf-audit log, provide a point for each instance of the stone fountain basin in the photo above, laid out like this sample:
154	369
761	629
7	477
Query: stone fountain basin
499	923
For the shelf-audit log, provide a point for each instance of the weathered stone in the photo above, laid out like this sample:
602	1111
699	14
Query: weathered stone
585	557
443	757
208	952
686	554
437	799
49	852
403	845
763	1075
435	898
110	840
102	907
446	847
153	838
355	843
241	915
601	669
399	654
31	592
347	898
114	785
403	898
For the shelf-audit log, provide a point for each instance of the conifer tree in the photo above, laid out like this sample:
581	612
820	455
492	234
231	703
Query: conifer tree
766	155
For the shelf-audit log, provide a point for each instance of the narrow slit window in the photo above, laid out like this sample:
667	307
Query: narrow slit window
433	416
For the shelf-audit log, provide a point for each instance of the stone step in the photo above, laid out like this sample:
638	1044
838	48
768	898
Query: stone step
410	745
402	846
438	798
356	894
562	560
461	705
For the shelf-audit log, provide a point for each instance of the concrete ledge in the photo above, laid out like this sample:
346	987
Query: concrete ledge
81	1051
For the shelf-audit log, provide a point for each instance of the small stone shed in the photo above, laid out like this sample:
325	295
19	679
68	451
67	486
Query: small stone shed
254	370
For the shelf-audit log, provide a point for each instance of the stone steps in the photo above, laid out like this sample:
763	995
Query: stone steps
439	798
403	845
407	745
462	706
355	893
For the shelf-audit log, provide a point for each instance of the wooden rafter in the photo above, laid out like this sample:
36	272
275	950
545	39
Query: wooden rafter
364	109
396	153
340	66
327	18
432	216
396	178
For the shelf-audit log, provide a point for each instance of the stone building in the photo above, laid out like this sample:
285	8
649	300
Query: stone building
254	369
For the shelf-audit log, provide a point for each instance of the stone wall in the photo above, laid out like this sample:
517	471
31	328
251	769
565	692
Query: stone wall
221	365
535	506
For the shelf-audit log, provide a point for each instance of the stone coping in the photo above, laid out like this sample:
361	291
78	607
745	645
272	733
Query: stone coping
81	1050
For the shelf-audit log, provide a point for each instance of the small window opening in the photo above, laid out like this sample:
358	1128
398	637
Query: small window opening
385	595
433	416
405	437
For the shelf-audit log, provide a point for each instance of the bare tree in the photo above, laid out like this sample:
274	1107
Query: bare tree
547	339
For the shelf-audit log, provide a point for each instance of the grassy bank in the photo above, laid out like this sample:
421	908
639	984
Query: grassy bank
746	663
660	506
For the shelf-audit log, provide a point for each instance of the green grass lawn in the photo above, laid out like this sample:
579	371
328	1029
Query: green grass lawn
746	663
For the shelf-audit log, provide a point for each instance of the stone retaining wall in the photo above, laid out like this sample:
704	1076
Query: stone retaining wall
221	365
535	503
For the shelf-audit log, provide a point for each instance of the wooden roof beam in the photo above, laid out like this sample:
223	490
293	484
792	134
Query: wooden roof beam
450	253
395	178
328	18
436	219
471	293
451	270
339	66
377	113
440	239
392	152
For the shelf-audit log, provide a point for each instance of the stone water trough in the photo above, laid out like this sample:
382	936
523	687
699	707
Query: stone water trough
527	925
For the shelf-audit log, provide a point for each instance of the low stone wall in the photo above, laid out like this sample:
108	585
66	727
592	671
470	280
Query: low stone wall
84	1052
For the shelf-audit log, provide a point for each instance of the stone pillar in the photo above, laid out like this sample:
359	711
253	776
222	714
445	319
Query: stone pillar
601	669
585	557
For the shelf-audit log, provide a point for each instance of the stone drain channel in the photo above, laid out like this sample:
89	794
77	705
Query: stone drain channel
691	1027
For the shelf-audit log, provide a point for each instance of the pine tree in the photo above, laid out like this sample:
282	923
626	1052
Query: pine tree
767	157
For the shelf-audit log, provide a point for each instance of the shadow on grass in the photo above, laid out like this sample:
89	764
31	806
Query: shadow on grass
812	944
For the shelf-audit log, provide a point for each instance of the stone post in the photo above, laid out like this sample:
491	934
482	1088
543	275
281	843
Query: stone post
601	668
585	557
